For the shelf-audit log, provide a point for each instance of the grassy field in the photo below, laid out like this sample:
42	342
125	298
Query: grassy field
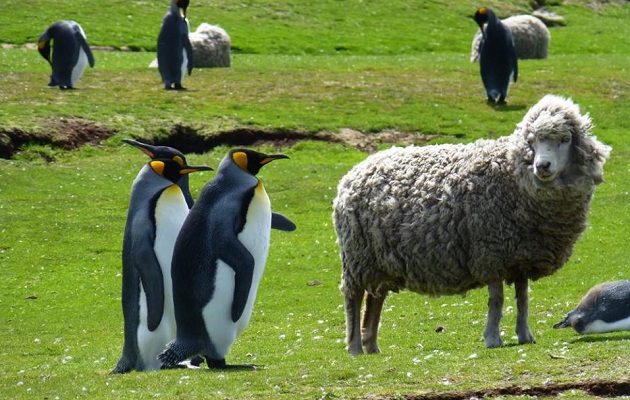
297	66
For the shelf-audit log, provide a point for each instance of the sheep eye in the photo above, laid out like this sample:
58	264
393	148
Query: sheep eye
566	139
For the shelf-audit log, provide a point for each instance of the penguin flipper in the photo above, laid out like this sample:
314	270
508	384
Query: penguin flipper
189	53
241	261
281	223
148	267
85	46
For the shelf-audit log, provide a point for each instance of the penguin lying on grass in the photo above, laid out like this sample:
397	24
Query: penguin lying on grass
71	53
219	258
174	51
497	56
605	308
157	211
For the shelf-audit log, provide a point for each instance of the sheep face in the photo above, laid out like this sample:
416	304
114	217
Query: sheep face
550	142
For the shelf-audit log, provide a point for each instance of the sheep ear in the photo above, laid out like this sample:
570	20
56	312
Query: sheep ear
596	155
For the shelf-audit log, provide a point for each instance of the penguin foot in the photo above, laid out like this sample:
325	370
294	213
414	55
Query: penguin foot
501	101
220	364
62	87
122	367
196	361
490	101
178	86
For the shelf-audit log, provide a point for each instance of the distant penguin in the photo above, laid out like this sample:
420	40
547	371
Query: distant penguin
174	51
157	210
219	258
605	308
497	56
70	53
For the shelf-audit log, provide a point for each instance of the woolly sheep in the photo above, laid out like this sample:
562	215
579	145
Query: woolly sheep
444	219
531	37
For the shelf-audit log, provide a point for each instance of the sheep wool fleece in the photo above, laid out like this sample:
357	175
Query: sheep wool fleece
444	219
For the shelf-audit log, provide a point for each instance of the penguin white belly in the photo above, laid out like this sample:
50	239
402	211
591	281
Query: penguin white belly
79	67
170	212
599	326
184	65
217	313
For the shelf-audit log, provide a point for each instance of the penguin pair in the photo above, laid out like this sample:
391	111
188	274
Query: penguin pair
70	53
605	308
497	56
219	259
174	50
160	202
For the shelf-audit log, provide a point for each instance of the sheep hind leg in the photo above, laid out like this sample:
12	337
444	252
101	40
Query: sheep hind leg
353	323
491	335
371	320
522	304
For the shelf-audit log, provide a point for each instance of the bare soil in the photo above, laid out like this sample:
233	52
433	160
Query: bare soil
593	388
69	134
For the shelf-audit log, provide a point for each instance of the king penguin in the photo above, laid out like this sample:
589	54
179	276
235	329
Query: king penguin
604	308
70	53
219	258
497	56
157	210
174	51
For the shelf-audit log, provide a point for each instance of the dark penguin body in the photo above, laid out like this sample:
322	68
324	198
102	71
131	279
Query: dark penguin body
497	56
70	53
174	51
219	259
157	210
605	308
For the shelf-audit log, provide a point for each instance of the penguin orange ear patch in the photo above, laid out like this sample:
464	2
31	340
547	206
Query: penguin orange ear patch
482	10
240	158
179	160
158	167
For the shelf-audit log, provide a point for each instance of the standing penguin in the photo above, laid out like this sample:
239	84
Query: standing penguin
497	56
157	210
219	258
605	308
174	51
71	53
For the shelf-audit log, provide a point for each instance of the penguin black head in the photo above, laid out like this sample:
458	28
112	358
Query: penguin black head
182	5
43	46
482	16
252	161
158	152
174	169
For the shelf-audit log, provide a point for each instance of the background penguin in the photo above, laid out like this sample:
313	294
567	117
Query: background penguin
605	308
497	56
174	51
157	211
219	259
71	53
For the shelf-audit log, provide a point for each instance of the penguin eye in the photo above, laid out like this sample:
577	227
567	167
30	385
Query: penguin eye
240	158
179	160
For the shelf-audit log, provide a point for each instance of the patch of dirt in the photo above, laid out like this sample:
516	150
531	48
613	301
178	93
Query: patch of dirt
594	388
69	134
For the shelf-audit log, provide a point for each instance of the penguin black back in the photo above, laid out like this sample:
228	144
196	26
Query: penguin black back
497	56
174	50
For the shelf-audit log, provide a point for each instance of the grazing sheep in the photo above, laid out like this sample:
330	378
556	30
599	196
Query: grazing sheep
211	46
531	37
605	308
445	219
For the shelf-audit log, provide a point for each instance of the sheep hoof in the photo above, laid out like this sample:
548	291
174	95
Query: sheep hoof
372	348
353	350
493	342
526	339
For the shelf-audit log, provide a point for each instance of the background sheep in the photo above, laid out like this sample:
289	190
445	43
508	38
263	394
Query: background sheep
531	37
445	219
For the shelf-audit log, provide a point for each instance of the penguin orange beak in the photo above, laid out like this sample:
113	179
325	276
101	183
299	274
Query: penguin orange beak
272	157
191	168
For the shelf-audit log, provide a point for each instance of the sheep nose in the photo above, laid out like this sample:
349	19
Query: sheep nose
543	165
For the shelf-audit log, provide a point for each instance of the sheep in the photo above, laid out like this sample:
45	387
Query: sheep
531	37
445	219
211	46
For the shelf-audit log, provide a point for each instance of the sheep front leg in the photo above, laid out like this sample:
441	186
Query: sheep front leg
371	320
353	323
491	335
522	305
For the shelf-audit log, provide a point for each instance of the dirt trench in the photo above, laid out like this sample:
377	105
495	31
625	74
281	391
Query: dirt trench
69	134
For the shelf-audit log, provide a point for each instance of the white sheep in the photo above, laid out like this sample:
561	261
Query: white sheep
444	219
531	37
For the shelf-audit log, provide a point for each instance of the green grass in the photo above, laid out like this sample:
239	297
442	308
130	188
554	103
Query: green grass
296	66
